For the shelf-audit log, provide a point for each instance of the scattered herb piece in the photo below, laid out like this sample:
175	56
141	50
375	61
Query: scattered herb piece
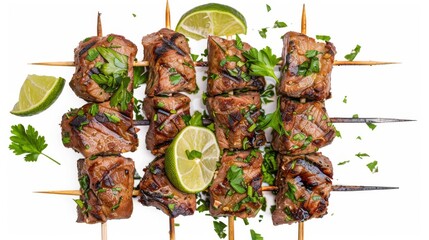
273	120
246	221
311	65
338	133
238	42
235	178
371	125
291	192
359	137
116	206
194	57
93	110
373	166
323	38
268	93
351	56
141	75
122	97
92	54
110	38
279	24
344	162
255	235
262	62
27	141
134	15
263	32
137	108
171	206
345	99
269	165
316	197
268	7
195	120
193	154
219	228
112	117
175	79
361	155
355	116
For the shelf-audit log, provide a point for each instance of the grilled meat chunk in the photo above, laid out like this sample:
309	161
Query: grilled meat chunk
304	185
98	129
171	68
166	120
106	185
307	72
235	118
99	62
226	69
307	126
236	189
156	190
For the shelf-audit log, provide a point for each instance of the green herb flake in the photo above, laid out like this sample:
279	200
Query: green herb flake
27	141
255	236
345	99
355	116
219	228
246	221
323	38
246	143
238	42
338	133
359	138
361	155
262	62
92	54
316	197
372	126
373	166
93	110
79	203
299	137
235	178
160	104
268	7
222	62
193	154
194	57
351	56
263	32
279	24
291	192
112	117
134	15
116	206
343	162
175	79
110	38
141	75
171	206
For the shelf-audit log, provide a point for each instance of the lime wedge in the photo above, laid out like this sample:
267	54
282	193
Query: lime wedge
37	94
211	19
190	160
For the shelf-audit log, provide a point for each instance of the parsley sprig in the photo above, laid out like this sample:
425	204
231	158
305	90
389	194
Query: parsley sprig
262	62
27	141
273	120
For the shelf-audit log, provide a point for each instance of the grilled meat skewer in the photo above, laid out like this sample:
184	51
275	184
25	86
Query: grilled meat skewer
106	185
156	190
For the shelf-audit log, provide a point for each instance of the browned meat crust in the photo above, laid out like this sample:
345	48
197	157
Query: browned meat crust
307	126
315	86
304	183
171	68
106	185
235	118
156	190
226	69
224	199
82	83
166	120
103	132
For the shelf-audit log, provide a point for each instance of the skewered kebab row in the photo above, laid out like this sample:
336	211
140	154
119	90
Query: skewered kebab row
156	190
307	67
106	184
227	69
306	127
98	129
104	70
304	184
171	68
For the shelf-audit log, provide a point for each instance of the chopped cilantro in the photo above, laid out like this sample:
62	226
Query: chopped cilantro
351	56
263	32
361	155
344	162
279	24
219	228
371	125
373	166
323	38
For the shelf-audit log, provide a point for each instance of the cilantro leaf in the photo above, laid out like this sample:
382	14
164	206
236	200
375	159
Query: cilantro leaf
279	24
116	63
351	56
191	155
219	228
141	75
323	38
269	165
122	97
235	178
255	235
273	120
371	125
195	120
28	142
373	166
268	7
262	62
344	162
263	32
361	155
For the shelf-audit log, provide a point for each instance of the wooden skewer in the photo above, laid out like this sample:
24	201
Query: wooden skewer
230	227
99	26
167	16
172	229
104	231
301	231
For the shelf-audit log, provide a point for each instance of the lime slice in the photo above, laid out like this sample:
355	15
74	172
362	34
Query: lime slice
194	175
211	19
37	94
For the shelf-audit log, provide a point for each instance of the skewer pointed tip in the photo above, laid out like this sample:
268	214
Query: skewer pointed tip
345	188
303	20
167	15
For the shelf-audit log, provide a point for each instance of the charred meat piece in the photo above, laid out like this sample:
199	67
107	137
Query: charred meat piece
307	67
101	64
227	71
98	129
166	115
106	185
171	67
235	118
236	189
307	126
156	190
304	185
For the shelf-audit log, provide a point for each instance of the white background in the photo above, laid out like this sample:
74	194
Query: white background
387	30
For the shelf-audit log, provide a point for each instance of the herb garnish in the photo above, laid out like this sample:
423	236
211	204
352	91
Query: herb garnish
219	228
371	125
279	24
268	7
92	54
263	32
235	178
141	74
262	62
255	235
269	165
273	120
93	110
351	56
323	38
28	142
345	99
311	65
361	155
268	94
112	117
238	42
373	166
344	162
193	154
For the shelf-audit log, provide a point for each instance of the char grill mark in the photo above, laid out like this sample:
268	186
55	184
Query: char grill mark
304	185
96	134
224	200
156	190
307	126
220	79
171	68
166	120
106	188
316	86
233	117
82	83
